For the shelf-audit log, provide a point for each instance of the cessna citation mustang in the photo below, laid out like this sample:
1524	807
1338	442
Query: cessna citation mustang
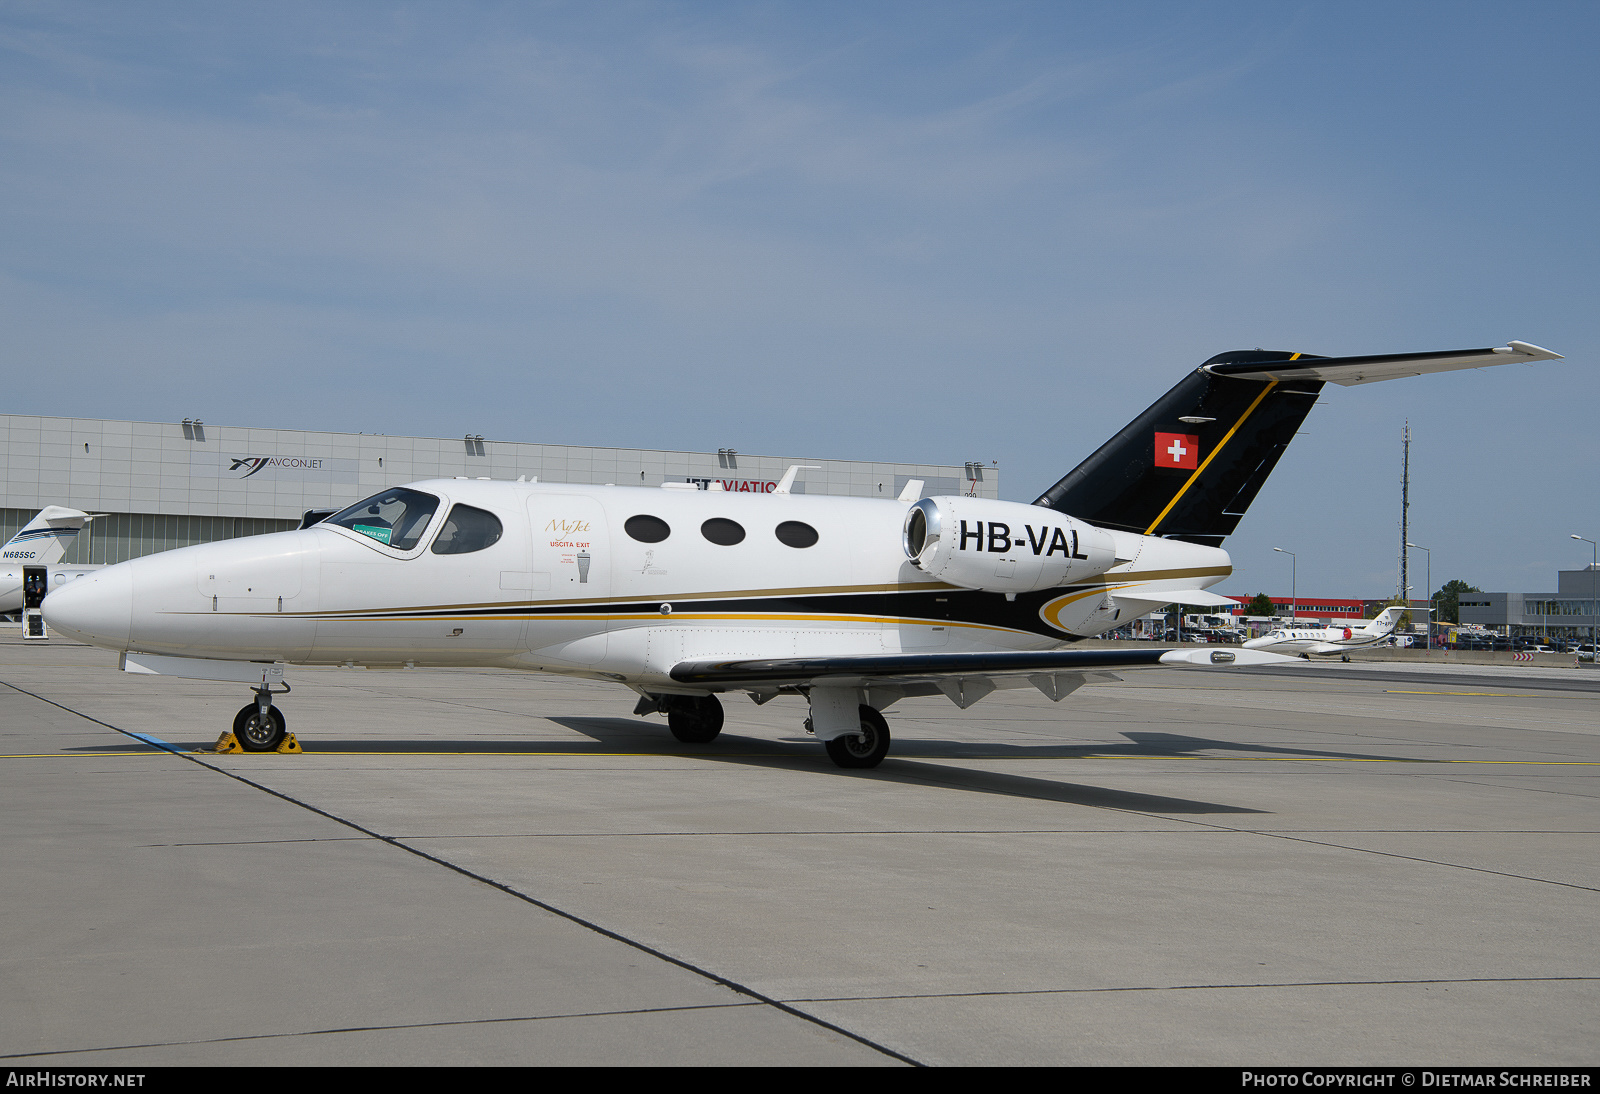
683	595
1306	641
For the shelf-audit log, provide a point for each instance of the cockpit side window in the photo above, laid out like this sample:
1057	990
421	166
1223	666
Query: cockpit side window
466	530
396	518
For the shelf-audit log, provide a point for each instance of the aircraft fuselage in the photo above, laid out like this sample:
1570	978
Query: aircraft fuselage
578	583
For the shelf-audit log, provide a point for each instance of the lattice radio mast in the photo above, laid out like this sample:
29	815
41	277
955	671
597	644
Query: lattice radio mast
1403	593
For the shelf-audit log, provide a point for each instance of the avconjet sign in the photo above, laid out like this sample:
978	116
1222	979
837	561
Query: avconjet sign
258	467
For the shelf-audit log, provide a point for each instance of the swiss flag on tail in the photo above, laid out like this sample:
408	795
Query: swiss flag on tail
1179	450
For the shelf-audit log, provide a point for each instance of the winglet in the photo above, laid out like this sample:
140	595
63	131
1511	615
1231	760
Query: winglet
1529	350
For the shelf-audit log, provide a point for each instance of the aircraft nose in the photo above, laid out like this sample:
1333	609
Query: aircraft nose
97	608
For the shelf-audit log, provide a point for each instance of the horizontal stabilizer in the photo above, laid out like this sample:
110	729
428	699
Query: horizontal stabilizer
1190	598
1349	371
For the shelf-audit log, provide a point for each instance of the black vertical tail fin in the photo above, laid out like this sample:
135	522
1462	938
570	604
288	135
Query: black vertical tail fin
1190	465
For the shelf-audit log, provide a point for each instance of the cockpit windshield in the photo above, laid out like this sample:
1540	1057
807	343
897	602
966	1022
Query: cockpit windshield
395	517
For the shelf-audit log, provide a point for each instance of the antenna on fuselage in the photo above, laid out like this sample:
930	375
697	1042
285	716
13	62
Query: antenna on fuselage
912	491
788	476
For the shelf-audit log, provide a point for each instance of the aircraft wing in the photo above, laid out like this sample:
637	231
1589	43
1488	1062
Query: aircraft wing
1054	672
1349	371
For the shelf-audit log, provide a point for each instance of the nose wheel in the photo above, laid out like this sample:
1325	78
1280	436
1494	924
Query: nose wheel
259	726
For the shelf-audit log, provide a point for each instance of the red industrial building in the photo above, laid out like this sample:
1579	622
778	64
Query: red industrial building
1321	607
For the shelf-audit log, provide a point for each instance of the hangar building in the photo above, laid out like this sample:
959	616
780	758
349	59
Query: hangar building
163	485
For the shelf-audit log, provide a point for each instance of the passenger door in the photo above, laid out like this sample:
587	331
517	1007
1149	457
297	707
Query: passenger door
571	551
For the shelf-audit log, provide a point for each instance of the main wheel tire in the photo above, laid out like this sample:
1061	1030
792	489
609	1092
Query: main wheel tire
864	749
253	734
695	719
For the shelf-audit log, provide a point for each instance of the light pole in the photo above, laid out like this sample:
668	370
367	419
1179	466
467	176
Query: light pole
1594	575
1429	553
1294	587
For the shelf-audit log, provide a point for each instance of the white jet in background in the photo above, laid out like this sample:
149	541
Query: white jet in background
1327	641
35	553
683	595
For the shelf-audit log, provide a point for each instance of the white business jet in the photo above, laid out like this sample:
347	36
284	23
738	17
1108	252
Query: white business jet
684	595
30	560
1326	641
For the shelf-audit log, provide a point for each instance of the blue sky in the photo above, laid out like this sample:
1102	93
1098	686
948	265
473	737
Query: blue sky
924	231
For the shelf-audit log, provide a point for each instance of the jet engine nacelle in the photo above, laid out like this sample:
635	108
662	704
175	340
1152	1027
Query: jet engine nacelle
1002	546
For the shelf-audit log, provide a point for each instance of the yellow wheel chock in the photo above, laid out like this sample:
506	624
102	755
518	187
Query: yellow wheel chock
228	744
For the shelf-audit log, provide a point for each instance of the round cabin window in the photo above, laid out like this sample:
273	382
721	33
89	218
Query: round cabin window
647	529
796	533
720	530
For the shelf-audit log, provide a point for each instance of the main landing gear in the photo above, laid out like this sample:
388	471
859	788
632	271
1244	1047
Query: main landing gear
693	719
259	726
864	749
697	720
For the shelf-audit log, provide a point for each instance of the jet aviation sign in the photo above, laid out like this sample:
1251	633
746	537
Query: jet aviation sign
745	486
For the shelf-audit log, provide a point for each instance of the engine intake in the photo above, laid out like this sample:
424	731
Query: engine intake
1001	546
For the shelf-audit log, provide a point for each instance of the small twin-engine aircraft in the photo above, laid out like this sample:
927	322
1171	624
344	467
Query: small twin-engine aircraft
684	595
1306	641
29	560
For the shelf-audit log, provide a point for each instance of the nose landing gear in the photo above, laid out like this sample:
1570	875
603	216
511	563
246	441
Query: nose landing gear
260	726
